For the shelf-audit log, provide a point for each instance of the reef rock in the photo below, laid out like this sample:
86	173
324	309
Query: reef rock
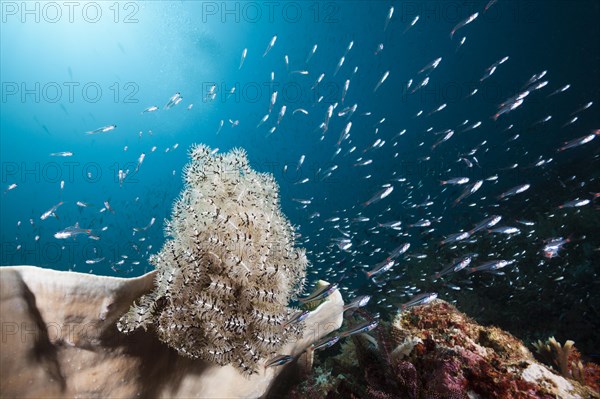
60	340
453	356
436	352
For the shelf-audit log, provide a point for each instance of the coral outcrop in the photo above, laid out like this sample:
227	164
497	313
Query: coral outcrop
434	351
226	275
471	359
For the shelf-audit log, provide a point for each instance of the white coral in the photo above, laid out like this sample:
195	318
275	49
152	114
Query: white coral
230	268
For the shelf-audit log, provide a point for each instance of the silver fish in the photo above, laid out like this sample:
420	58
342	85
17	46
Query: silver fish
379	195
514	191
102	129
244	54
381	267
457	266
71	231
61	154
576	203
319	294
270	46
485	223
463	23
358	302
311	53
324	343
279	361
579	141
388	18
51	212
361	328
490	265
421	299
296	317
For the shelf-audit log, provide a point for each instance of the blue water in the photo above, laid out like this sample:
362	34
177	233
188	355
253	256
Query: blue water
140	54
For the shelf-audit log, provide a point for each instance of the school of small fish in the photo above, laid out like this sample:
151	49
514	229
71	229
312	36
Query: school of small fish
389	232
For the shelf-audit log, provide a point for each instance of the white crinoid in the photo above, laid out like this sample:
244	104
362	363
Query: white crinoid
229	269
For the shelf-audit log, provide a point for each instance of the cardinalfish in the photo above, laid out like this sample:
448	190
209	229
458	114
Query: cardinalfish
421	299
456	266
576	203
72	231
579	141
469	190
279	360
173	101
452	238
380	268
514	191
553	246
490	266
431	66
108	207
311	53
412	23
339	65
281	114
140	161
361	328
486	223
345	134
51	212
244	54
61	154
421	223
358	302
263	120
150	109
383	78
102	129
94	261
320	293
387	190
388	18
398	251
505	230
138	229
270	46
10	187
296	317
324	343
272	101
463	23
455	181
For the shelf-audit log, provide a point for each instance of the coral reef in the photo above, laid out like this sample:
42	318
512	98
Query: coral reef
434	351
59	340
225	277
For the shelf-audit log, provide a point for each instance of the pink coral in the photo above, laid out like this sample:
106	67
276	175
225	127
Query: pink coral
407	378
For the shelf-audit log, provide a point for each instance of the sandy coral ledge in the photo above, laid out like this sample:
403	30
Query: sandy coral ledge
59	340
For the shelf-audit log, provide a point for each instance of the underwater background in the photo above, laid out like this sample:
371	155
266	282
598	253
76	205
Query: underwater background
66	72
